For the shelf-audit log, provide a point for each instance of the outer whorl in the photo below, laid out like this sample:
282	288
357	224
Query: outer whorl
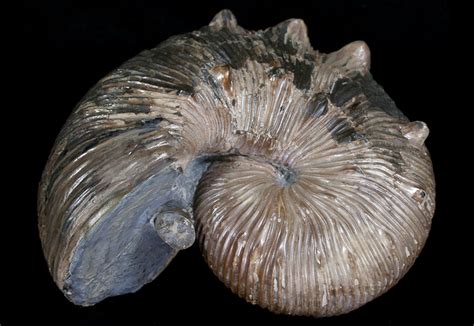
314	192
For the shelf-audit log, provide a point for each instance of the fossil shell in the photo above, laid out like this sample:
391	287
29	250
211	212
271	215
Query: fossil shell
311	193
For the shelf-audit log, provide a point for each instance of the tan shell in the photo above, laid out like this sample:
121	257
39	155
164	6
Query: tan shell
316	194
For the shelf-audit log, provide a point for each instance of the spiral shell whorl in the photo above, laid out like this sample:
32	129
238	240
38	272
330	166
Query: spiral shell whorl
318	192
348	224
320	227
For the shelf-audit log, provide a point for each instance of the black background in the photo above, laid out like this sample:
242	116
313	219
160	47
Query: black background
68	46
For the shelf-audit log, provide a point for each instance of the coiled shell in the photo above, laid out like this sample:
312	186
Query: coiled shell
314	192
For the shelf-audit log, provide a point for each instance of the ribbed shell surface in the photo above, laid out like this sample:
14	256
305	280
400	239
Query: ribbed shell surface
319	194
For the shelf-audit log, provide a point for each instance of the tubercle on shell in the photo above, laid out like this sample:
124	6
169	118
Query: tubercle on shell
174	226
314	193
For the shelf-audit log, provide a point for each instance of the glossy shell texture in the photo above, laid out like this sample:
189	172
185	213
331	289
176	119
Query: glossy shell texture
310	192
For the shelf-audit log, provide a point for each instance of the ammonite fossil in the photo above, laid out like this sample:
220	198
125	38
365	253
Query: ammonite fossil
310	192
